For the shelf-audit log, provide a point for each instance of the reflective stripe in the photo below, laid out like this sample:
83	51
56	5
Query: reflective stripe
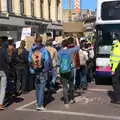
113	55
114	67
115	61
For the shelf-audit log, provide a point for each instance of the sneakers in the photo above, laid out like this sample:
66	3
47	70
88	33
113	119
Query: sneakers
41	108
67	106
1	107
72	101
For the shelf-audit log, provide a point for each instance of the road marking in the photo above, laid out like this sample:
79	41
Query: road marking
75	114
99	90
26	105
31	103
23	108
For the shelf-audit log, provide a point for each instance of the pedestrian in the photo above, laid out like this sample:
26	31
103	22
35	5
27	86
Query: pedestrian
66	72
39	62
20	59
11	71
115	64
90	63
54	58
3	72
82	83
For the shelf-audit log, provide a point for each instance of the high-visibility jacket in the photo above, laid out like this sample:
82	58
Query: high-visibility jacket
115	56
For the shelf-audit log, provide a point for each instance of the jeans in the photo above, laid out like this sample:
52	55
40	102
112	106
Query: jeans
21	80
40	83
68	86
3	84
90	70
83	77
116	83
77	79
54	75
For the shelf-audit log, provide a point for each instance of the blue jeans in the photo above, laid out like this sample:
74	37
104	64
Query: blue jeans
40	83
3	84
54	75
83	77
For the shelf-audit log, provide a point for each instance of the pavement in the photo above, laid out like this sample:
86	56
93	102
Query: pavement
93	104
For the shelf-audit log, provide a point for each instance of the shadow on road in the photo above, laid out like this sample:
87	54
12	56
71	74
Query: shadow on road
12	99
111	95
48	96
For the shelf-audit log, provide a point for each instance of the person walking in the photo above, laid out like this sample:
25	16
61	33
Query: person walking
39	63
82	83
20	59
115	64
3	73
54	57
66	72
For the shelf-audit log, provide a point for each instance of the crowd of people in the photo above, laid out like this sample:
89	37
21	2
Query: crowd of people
21	70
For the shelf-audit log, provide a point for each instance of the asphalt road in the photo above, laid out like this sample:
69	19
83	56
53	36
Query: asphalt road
93	104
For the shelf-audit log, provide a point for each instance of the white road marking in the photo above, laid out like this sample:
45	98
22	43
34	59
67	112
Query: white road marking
31	103
26	105
99	90
75	114
23	108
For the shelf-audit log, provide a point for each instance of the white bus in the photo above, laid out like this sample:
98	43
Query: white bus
107	30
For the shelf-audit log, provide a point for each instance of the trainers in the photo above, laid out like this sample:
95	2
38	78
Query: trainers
1	107
41	108
67	106
72	101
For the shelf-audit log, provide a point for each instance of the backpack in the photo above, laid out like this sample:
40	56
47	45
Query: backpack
37	59
65	63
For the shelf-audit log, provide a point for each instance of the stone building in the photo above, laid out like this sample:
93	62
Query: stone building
43	16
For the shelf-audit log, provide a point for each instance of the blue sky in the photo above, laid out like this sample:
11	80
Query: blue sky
85	4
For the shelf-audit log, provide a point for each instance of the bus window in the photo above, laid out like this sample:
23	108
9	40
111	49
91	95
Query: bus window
110	10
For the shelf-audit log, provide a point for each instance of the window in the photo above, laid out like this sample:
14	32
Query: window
32	8
49	8
106	34
22	7
9	6
41	8
58	3
110	10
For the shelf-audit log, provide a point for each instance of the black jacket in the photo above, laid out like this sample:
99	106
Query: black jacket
20	61
4	62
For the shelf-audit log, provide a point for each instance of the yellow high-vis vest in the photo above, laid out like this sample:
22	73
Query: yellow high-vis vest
115	56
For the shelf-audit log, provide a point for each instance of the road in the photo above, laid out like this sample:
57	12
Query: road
93	104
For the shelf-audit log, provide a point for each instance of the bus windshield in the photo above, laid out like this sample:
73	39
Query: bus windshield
106	34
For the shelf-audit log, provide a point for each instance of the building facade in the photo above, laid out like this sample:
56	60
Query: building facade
42	16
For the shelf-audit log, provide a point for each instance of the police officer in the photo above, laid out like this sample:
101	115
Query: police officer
115	64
